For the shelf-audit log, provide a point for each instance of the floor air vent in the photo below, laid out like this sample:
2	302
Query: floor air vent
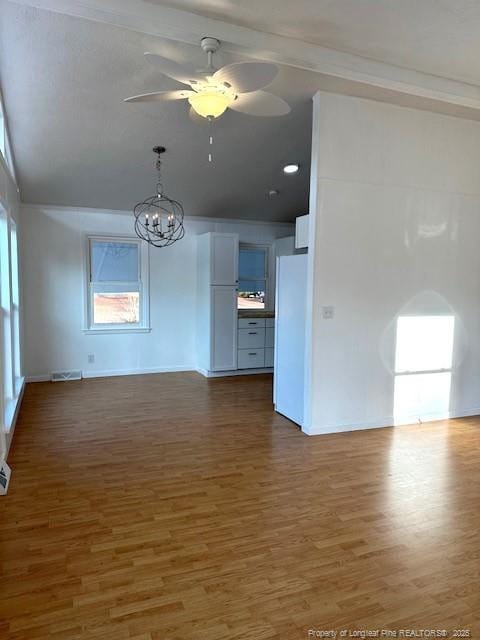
5	473
63	376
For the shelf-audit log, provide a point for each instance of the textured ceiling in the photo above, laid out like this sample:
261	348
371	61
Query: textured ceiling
76	143
440	37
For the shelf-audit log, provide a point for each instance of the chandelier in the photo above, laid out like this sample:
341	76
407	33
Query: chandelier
159	219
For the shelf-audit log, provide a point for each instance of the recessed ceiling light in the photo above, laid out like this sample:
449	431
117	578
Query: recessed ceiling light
273	192
290	168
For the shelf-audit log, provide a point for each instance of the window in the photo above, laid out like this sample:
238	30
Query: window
6	328
252	277
118	284
5	148
17	365
423	367
10	374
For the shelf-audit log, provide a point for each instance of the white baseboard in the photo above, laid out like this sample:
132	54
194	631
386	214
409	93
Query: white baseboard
46	377
388	421
233	372
317	430
136	372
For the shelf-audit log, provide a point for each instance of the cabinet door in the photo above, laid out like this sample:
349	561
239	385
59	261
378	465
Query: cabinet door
224	257
301	232
224	329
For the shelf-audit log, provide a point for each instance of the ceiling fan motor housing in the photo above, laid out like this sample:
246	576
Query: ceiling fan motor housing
210	45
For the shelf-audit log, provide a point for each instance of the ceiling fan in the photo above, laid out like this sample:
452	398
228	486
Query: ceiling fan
236	86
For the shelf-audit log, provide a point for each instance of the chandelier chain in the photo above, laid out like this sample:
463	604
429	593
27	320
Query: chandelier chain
159	176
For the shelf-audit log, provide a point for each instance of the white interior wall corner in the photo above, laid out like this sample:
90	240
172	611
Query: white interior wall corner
53	267
395	217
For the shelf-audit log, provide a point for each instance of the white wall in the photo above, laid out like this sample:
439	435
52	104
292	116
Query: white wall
53	265
395	198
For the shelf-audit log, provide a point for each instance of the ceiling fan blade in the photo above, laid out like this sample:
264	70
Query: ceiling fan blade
260	103
174	70
161	96
247	76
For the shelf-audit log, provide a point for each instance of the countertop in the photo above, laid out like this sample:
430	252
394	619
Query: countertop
255	313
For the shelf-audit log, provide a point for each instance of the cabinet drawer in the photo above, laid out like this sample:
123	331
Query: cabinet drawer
245	323
251	338
269	357
251	358
269	337
269	322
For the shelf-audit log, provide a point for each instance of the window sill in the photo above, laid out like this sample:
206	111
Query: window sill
99	332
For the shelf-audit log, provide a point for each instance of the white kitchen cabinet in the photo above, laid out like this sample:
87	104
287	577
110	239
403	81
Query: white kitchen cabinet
301	232
251	338
255	342
269	337
224	258
223	328
248	323
269	359
251	358
217	268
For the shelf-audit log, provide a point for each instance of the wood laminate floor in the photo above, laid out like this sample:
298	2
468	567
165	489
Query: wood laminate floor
172	507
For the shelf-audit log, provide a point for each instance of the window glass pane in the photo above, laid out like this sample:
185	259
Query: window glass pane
116	305
252	263
114	261
15	307
6	327
251	294
424	343
14	263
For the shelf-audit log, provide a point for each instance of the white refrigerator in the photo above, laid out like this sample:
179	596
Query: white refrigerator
290	316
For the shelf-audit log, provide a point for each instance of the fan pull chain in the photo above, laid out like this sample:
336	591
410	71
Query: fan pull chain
210	141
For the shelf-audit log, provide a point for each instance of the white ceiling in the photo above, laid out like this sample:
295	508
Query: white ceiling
76	143
440	37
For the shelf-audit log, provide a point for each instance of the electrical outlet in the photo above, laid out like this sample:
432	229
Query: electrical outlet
91	358
328	313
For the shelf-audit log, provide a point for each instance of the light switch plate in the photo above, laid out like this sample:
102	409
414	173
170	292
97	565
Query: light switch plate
328	312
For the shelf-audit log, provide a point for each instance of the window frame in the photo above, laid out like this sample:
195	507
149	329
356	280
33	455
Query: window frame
250	246
8	385
11	378
6	155
90	327
15	308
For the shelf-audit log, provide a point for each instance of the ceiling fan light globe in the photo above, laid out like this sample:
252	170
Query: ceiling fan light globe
209	104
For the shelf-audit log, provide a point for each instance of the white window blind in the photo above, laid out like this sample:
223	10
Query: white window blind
117	283
252	277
